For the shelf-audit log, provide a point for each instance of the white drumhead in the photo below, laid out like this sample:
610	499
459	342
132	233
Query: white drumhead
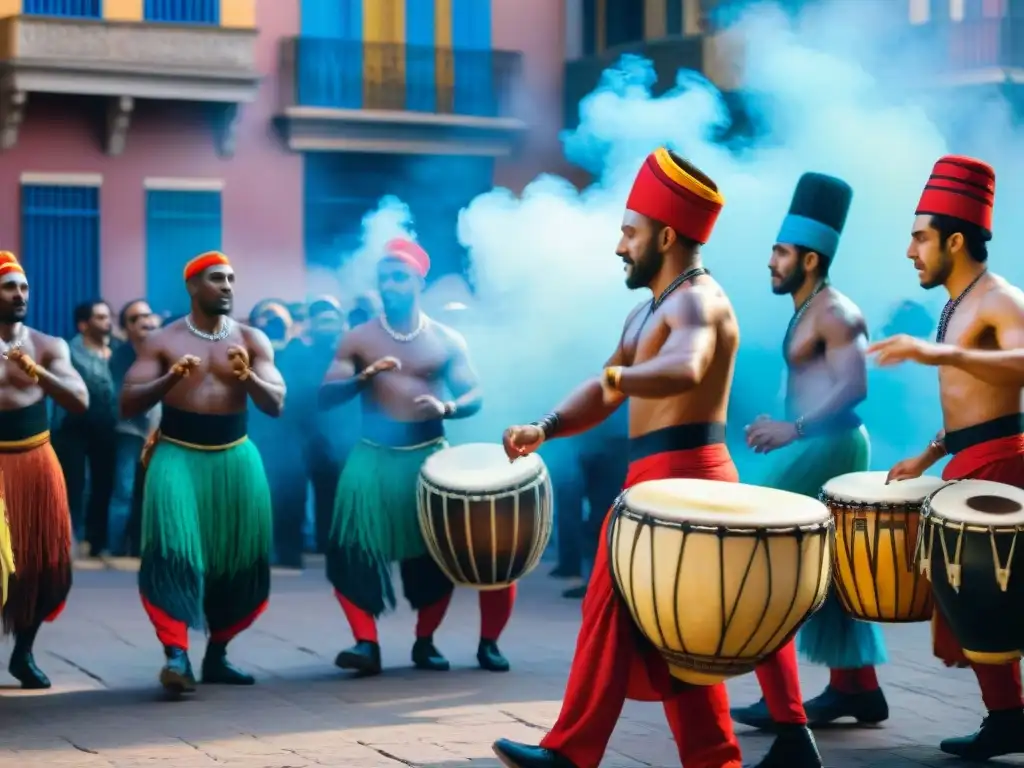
980	502
870	488
479	468
736	505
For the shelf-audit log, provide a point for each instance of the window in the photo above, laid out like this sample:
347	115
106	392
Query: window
60	247
183	11
183	219
82	9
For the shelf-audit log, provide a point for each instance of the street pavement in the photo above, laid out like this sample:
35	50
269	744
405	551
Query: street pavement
105	708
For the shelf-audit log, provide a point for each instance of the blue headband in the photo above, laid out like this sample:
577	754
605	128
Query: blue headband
808	233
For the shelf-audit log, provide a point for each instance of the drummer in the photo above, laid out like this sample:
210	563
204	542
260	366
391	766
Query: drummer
979	351
401	364
675	359
821	438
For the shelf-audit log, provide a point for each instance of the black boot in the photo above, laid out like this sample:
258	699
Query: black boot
865	707
794	747
217	670
490	658
177	675
23	663
516	755
756	716
1001	733
426	656
363	657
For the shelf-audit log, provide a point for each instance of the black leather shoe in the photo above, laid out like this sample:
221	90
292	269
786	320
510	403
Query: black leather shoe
1001	733
363	657
868	707
177	675
794	747
426	656
756	716
516	755
23	668
490	658
217	670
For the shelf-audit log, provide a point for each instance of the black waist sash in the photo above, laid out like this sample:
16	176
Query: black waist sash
1004	426
682	437
210	430
21	424
389	433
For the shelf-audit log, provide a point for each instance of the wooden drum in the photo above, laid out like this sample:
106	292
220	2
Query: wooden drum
968	547
876	536
486	521
718	576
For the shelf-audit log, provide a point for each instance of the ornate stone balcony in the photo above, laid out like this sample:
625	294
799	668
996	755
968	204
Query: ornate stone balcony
124	61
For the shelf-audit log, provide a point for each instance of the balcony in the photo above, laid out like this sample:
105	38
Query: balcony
348	96
124	61
974	51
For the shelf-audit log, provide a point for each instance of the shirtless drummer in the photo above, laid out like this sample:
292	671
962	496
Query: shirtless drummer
674	362
979	351
206	514
402	364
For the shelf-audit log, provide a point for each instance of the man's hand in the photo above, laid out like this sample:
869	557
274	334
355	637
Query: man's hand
26	364
609	392
429	407
908	469
384	364
522	440
766	435
239	358
185	366
903	348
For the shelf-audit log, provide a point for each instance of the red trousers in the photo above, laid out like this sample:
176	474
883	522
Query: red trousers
612	663
495	611
175	633
1001	461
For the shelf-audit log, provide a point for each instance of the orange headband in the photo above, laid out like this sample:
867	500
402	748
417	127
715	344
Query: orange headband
9	264
205	261
409	253
667	192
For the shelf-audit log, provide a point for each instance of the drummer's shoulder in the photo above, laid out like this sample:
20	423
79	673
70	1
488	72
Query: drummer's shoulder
454	340
1002	301
839	312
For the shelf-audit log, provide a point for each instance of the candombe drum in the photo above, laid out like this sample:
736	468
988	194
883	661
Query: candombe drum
486	521
875	573
717	575
968	547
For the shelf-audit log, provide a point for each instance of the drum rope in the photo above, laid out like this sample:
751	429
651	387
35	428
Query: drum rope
1002	572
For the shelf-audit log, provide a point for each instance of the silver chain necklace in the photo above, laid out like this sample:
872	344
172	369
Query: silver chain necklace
220	335
16	343
798	316
404	338
950	308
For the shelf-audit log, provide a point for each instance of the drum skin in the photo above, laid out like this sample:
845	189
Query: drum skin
487	540
715	601
875	572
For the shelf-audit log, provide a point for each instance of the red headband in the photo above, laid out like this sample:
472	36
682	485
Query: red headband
9	264
668	193
409	253
205	261
961	187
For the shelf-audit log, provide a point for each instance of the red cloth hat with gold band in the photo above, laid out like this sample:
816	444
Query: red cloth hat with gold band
205	261
961	187
9	264
675	193
409	253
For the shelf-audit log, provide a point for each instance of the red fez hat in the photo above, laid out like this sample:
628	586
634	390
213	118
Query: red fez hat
675	193
9	264
961	187
205	261
410	253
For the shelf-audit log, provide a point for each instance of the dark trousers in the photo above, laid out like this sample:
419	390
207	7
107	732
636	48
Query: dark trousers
86	451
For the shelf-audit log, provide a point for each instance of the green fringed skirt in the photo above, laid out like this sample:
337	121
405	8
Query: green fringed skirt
376	524
830	637
206	534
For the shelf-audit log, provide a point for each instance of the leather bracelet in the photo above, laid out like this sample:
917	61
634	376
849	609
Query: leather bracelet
613	377
449	409
548	425
938	445
798	425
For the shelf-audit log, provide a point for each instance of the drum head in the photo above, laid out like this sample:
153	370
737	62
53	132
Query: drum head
870	488
732	505
980	502
479	468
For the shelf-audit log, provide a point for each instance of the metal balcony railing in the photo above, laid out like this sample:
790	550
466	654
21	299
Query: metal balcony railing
972	44
79	9
342	74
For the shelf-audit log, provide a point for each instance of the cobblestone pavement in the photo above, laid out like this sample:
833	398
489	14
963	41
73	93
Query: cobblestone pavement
105	710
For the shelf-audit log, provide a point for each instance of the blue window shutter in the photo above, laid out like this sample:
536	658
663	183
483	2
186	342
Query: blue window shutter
183	11
79	9
180	224
60	248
